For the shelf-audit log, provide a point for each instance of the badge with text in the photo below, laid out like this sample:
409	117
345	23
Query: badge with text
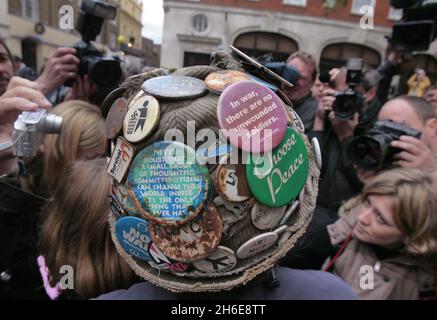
122	194
221	260
265	218
210	148
277	177
175	87
253	116
121	159
115	118
231	182
167	185
160	261
220	80
257	245
193	241
133	235
297	121
141	119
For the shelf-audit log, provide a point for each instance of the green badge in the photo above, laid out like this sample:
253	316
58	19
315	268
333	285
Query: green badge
277	177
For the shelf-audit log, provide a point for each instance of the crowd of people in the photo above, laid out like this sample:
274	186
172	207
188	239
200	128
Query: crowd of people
54	206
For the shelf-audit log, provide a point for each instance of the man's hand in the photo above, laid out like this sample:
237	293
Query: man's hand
61	65
344	129
325	107
415	154
21	95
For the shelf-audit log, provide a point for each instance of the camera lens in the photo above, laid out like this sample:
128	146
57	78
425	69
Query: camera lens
366	152
106	73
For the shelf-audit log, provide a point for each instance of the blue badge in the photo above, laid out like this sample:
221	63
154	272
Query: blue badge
134	236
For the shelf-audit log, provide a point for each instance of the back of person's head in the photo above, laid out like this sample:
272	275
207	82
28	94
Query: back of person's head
415	206
308	59
421	107
82	137
371	79
75	231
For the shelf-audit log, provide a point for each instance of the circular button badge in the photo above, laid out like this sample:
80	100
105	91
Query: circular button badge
256	245
221	260
277	177
133	235
115	118
253	116
265	218
191	242
175	87
141	119
220	80
167	185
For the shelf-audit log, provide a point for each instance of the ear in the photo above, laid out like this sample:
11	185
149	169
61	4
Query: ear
431	125
372	92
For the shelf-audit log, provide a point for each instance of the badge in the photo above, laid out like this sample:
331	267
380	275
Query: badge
231	182
222	260
115	118
264	83
122	194
277	177
237	208
280	230
133	235
289	212
256	245
161	262
116	207
210	148
139	94
141	119
253	116
175	87
167	185
317	152
220	80
109	100
121	160
265	218
193	241
297	121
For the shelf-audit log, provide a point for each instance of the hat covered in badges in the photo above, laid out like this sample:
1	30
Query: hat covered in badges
213	179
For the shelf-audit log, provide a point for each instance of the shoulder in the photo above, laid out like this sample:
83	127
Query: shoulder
304	285
139	291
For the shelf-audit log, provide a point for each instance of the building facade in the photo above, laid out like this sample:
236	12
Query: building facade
193	29
129	23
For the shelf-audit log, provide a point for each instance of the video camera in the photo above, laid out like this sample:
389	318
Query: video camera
349	102
105	72
418	28
374	151
29	129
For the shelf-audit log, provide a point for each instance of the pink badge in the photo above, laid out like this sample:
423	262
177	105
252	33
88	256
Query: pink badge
253	116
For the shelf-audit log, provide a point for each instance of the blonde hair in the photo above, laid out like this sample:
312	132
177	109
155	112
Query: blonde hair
415	209
75	232
83	128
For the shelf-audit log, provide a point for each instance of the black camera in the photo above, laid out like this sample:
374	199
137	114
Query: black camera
284	70
418	28
105	72
350	102
374	151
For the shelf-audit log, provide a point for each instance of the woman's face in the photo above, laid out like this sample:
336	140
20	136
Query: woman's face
376	223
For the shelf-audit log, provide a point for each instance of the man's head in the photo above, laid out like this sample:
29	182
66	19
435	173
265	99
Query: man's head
6	67
415	113
370	82
307	67
431	97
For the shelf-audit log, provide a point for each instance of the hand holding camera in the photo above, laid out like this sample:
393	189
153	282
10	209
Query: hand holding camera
415	154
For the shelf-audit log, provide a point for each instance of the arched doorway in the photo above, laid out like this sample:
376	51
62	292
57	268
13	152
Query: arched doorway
336	55
257	44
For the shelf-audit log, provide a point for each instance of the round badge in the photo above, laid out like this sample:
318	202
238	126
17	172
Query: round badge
167	185
317	151
277	177
265	218
220	80
231	182
122	194
289	212
256	245
280	230
141	119
210	148
139	94
193	241
175	87
115	118
133	235
264	83
161	262
253	116
109	100
222	259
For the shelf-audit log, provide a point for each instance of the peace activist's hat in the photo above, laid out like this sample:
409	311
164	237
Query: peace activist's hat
213	179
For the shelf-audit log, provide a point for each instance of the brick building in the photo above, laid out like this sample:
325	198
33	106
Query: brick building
193	29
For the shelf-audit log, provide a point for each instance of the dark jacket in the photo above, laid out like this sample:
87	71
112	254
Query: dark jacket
306	110
294	285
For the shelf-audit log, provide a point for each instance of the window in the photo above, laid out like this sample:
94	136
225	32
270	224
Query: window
300	3
200	23
358	4
30	10
196	59
395	14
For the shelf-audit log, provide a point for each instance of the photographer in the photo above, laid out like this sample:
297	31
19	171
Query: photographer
418	83
431	96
